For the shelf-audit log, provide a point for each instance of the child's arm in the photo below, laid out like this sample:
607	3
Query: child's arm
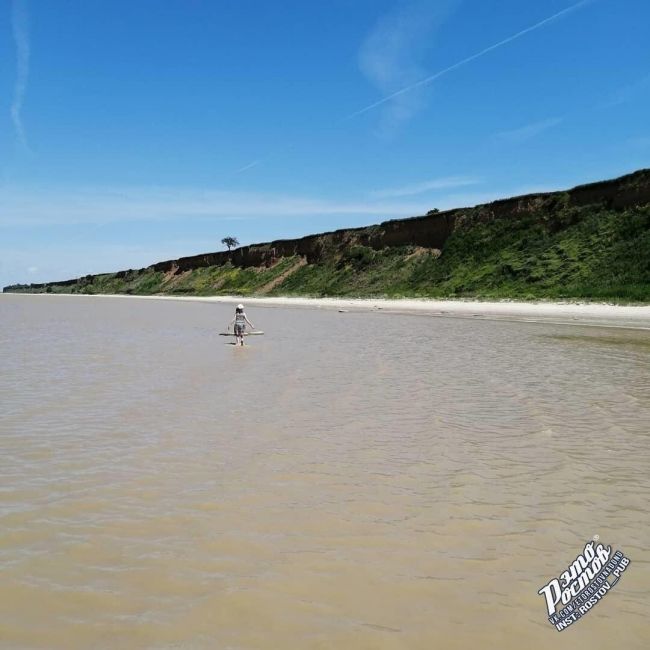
251	324
230	323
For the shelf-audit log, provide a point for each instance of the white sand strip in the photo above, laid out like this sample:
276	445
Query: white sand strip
637	316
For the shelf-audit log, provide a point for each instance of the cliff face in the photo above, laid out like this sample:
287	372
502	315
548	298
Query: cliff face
323	262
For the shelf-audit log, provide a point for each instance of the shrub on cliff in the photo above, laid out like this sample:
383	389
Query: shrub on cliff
358	257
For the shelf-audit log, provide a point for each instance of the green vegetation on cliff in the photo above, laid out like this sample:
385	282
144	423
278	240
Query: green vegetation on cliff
576	253
548	247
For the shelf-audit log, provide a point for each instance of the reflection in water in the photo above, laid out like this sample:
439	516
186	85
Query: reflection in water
346	481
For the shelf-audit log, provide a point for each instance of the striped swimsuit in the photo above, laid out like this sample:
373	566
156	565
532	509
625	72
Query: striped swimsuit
240	323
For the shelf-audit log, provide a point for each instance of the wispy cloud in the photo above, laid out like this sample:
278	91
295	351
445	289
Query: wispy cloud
33	206
641	142
412	87
20	29
470	199
524	133
390	57
435	184
627	93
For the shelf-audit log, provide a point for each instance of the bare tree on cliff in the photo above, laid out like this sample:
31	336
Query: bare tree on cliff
230	242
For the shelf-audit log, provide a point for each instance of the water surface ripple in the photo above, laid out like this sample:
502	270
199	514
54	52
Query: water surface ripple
347	481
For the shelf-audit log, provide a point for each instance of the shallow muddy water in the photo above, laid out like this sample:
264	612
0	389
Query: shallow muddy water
348	480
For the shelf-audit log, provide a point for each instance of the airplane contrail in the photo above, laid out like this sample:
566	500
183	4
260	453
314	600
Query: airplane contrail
473	57
264	159
437	75
250	165
21	37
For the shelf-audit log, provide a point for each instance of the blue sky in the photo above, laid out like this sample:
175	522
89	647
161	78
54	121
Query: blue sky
132	132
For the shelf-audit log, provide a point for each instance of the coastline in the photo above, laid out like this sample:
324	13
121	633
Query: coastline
561	313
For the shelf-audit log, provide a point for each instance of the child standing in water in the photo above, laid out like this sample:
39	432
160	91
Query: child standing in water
240	321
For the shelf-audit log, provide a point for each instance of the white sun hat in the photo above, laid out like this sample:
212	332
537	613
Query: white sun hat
240	306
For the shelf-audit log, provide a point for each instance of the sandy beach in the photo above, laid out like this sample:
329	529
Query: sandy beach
566	313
